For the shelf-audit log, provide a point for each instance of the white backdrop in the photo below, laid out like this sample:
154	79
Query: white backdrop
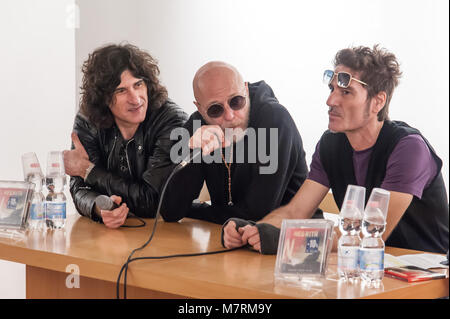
286	43
37	95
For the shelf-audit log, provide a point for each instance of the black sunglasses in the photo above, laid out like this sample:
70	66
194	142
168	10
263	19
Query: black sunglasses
236	103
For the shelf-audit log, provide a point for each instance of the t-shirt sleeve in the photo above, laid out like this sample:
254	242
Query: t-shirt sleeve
316	171
410	167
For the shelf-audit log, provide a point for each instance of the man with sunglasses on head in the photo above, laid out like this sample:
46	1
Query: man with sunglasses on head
238	186
363	147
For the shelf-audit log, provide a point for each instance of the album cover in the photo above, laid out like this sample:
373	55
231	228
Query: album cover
15	198
303	247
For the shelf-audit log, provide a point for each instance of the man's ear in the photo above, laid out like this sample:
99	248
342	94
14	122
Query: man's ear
379	101
196	104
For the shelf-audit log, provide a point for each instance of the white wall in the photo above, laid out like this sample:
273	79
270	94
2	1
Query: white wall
288	44
37	94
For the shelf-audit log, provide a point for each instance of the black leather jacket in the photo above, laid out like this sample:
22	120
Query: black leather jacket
135	170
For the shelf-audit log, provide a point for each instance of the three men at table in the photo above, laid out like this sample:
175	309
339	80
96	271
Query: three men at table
363	147
122	148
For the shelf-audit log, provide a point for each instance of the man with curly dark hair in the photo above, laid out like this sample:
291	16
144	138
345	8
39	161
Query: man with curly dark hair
121	136
363	147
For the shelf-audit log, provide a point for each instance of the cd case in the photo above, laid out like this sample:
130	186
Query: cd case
303	249
15	199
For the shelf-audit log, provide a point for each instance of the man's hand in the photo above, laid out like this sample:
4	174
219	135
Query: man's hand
208	138
116	217
250	235
231	238
76	161
245	235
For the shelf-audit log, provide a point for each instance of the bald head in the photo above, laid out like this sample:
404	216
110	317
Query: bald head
215	76
216	83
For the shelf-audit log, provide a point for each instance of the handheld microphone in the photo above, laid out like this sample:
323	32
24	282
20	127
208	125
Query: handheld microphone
104	202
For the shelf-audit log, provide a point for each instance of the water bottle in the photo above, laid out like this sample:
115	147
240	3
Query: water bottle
55	202
371	252
36	219
32	173
350	218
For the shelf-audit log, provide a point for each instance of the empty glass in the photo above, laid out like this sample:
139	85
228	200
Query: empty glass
353	204
377	207
31	167
55	164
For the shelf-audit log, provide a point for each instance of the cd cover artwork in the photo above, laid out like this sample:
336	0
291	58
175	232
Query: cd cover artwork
303	247
303	250
15	199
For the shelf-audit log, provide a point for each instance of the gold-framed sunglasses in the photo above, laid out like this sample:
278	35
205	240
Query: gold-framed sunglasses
343	78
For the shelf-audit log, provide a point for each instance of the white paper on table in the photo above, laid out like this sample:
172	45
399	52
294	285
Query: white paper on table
425	260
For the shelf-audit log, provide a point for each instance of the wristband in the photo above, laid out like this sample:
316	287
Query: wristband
269	236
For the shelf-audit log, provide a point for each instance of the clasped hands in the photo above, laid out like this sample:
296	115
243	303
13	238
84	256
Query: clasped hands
239	236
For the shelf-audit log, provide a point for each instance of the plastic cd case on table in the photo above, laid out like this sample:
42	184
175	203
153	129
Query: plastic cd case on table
303	249
15	199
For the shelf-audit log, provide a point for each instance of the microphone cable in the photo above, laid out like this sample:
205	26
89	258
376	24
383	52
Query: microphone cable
124	268
131	215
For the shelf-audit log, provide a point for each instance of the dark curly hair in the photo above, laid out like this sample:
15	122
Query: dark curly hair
377	67
101	76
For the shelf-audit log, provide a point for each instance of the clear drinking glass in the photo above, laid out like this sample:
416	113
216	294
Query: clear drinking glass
31	167
55	164
353	205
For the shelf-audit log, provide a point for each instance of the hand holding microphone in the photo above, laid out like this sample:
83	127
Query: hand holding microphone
113	214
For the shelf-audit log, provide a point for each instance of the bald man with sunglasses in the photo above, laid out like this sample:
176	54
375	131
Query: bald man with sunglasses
244	186
363	147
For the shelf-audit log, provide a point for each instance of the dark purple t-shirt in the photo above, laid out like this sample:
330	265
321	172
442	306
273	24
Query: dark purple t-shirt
410	168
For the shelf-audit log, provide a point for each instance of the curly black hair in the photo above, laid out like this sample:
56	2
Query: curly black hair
377	67
101	76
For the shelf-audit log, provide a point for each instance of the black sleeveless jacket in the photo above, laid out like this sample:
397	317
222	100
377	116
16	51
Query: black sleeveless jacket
424	225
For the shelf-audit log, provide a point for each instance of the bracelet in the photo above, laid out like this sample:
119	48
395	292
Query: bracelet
88	170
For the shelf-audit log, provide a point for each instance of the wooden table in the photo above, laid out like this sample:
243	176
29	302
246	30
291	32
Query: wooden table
98	253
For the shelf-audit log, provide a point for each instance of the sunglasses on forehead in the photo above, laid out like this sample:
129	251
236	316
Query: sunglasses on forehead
236	103
343	78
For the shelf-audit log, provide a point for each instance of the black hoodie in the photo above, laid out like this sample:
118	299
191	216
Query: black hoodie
254	195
